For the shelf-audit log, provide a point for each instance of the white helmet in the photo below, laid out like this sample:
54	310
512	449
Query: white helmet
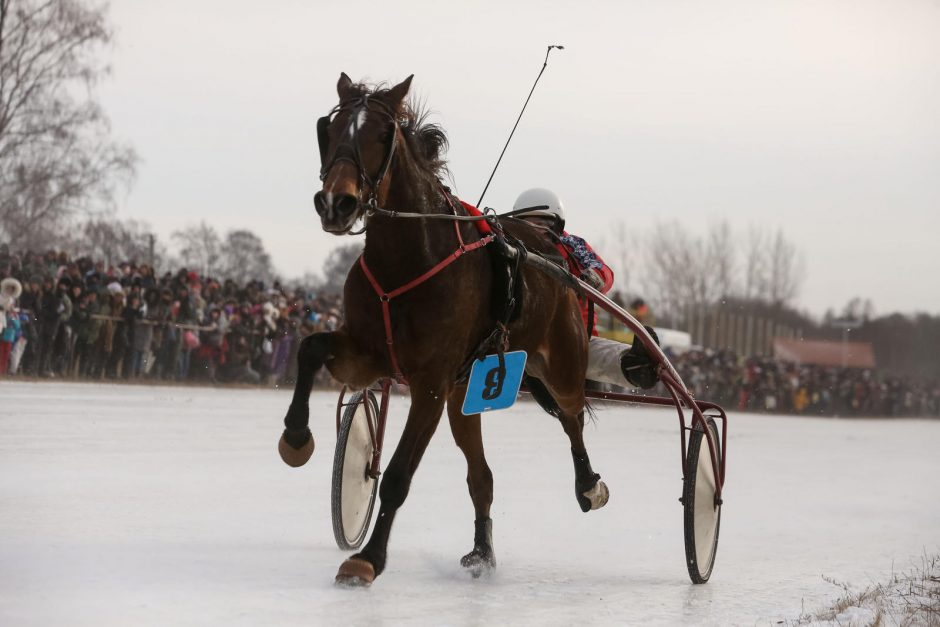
544	202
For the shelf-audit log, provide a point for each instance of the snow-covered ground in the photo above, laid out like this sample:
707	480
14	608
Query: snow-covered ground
131	505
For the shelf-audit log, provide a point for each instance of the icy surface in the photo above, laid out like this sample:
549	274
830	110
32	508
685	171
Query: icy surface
126	505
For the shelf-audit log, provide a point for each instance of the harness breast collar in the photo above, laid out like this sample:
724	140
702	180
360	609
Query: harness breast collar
386	296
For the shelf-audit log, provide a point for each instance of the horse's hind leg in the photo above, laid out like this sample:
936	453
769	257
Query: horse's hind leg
591	492
469	437
563	379
339	353
427	405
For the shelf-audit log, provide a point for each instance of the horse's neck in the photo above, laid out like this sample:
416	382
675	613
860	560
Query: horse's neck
399	247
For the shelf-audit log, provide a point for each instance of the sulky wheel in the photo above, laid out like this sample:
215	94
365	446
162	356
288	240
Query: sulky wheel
702	508
353	493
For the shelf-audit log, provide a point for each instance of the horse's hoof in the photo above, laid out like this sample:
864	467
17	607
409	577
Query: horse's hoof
355	573
596	497
478	563
295	457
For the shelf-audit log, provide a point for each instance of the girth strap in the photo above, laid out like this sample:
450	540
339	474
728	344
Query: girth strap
386	297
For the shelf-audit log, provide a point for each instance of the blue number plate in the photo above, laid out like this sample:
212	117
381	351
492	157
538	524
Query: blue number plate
488	388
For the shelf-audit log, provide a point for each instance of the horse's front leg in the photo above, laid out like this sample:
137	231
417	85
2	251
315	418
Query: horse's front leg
469	438
345	361
427	405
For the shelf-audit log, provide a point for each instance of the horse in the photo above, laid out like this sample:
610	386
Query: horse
418	302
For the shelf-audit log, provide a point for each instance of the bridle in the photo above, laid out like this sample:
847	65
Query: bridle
349	149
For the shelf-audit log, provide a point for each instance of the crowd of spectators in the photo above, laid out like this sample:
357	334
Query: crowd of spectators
83	319
763	384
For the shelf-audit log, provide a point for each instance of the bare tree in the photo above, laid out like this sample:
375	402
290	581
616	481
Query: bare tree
720	268
200	248
56	155
673	278
115	241
785	270
337	266
622	254
685	272
754	286
774	268
308	281
858	309
244	258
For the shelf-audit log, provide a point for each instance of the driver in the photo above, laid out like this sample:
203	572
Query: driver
609	361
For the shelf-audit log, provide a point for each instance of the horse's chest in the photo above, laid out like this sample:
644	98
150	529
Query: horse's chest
429	314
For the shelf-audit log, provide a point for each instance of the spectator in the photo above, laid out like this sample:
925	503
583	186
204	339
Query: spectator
10	291
86	328
83	318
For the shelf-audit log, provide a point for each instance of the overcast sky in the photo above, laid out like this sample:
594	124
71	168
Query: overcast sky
820	117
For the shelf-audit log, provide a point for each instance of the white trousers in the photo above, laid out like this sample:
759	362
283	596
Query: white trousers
604	361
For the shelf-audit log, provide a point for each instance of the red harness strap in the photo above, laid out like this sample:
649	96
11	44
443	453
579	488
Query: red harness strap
386	297
482	225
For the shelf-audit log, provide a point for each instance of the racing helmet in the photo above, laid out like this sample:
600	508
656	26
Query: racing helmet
542	202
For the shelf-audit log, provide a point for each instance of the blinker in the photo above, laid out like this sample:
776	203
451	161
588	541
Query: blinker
322	138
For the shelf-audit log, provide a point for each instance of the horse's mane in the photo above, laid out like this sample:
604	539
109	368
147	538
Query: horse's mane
427	141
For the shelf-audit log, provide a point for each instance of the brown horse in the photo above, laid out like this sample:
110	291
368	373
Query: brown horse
379	157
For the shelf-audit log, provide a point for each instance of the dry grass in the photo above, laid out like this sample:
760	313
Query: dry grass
909	598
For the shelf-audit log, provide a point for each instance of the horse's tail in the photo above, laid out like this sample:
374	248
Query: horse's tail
542	396
547	402
589	410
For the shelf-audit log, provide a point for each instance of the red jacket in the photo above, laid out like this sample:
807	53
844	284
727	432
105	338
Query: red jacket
582	260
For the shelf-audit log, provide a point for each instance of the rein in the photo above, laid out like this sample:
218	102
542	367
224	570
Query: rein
488	214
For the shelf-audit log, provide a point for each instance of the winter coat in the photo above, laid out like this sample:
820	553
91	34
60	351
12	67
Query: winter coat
64	307
83	324
143	332
113	334
130	316
582	259
11	328
48	308
99	336
160	314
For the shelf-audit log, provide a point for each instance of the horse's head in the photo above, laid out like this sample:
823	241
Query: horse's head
358	141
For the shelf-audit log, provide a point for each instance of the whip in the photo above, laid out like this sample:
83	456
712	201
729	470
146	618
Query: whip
486	187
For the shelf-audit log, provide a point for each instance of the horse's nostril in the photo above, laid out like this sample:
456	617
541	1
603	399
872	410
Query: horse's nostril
320	204
345	204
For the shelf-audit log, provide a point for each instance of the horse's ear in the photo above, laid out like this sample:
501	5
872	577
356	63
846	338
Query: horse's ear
397	93
343	85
